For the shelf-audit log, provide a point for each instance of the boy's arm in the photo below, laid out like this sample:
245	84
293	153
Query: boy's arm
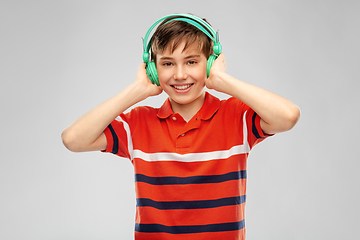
87	132
277	113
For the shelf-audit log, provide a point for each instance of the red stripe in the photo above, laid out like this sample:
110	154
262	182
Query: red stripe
187	169
191	192
191	216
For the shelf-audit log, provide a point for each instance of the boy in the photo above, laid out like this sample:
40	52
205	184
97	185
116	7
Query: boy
190	154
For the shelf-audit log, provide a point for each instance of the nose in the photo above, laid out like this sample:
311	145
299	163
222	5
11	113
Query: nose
180	73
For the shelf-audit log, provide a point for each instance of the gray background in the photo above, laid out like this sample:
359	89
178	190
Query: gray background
59	59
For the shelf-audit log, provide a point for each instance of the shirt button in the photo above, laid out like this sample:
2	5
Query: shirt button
174	118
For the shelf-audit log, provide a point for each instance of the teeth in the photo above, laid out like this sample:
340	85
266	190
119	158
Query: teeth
182	87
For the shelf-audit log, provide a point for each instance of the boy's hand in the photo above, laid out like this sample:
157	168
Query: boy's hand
143	80
215	81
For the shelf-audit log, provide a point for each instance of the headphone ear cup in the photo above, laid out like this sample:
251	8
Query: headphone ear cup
210	62
152	73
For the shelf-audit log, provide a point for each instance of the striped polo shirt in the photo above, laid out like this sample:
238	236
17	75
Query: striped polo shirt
190	177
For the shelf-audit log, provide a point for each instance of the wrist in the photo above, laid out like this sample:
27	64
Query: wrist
219	81
136	91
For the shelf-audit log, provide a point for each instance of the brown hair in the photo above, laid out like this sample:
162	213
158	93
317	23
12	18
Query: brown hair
173	33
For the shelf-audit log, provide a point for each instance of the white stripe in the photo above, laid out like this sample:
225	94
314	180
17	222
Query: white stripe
191	157
197	157
128	134
245	133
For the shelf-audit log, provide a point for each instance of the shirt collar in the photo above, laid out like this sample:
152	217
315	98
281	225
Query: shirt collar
209	108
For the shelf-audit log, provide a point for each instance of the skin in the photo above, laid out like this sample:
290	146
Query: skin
186	71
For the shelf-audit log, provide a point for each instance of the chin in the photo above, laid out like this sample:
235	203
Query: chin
189	100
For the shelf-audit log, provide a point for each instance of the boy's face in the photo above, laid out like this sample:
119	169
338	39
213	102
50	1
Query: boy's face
182	75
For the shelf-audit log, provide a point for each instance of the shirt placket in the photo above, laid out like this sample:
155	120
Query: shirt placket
184	132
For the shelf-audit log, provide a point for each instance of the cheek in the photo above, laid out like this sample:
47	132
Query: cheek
202	70
199	73
163	74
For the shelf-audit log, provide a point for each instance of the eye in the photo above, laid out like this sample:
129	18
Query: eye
167	64
191	62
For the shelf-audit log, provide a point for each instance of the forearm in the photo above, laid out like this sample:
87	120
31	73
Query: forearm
85	131
278	114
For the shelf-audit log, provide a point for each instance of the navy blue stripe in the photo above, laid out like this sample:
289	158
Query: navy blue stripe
219	227
167	205
254	130
191	180
115	149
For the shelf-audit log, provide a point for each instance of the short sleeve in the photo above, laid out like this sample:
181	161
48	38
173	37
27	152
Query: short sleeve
249	122
253	122
118	137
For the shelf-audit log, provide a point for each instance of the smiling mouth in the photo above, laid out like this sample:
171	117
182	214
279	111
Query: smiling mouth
182	87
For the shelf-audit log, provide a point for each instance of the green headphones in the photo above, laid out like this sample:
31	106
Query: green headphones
193	20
